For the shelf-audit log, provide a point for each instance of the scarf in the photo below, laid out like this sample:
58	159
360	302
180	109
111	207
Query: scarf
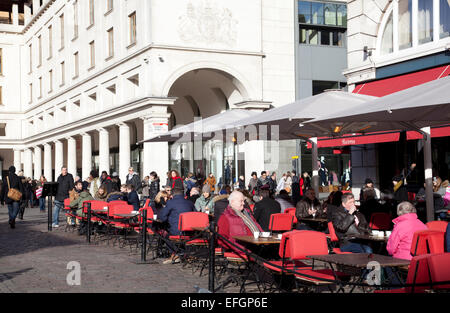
247	221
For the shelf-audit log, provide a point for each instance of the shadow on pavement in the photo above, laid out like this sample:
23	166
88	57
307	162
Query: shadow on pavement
11	275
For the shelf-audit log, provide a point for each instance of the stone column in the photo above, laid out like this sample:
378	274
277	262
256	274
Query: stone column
36	6
28	163
17	160
156	154
124	150
48	162
37	162
27	13
72	156
15	14
104	165
86	156
59	153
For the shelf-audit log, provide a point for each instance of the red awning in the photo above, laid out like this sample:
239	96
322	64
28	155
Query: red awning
390	85
443	131
356	140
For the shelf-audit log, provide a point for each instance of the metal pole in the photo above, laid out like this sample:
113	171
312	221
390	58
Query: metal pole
144	235
315	167
428	165
212	255
88	233
49	211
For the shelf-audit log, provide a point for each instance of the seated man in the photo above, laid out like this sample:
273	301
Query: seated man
132	197
82	195
265	208
174	207
348	221
171	214
236	221
309	206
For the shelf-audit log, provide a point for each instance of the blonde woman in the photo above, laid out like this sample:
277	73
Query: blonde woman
288	182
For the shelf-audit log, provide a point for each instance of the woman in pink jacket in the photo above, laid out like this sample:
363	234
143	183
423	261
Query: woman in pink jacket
405	225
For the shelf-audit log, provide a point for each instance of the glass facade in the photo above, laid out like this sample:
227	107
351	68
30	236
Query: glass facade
322	23
444	18
404	24
425	18
387	44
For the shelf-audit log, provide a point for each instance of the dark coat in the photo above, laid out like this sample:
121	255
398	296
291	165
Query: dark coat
303	206
344	224
133	199
153	188
263	210
14	182
447	238
171	212
135	181
116	195
108	184
65	184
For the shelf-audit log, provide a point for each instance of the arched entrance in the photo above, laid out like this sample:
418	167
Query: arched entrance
205	92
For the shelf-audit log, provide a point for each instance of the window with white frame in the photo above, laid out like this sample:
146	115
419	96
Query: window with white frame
426	15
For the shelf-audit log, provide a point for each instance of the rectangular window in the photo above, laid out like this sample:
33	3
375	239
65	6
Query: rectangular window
31	58
75	19
63	73
39	51
342	15
425	18
40	87
444	24
110	42
325	37
76	65
61	24
313	36
91	12
2	128
404	24
92	53
50	42
303	35
317	13
30	93
132	18
304	12
330	11
50	81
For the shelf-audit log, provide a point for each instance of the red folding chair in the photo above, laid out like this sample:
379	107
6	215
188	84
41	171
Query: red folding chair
69	214
380	221
304	243
427	241
418	273
437	225
440	270
291	211
334	239
411	196
186	222
280	222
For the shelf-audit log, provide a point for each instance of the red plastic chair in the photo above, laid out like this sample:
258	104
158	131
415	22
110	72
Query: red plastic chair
380	221
304	243
437	225
291	211
280	222
440	269
418	273
411	196
187	221
334	238
427	241
252	207
285	254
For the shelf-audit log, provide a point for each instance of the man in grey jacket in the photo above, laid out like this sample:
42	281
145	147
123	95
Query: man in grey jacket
134	179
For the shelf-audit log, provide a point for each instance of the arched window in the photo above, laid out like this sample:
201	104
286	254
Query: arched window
387	43
399	32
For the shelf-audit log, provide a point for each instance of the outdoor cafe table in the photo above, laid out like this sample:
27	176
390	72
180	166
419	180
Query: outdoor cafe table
260	241
360	261
314	219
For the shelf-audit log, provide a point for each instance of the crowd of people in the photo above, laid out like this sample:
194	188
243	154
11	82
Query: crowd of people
239	209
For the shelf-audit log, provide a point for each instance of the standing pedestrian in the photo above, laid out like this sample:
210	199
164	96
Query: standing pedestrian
134	179
65	184
40	187
12	181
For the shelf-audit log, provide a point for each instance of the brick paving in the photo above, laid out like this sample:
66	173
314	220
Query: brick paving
35	260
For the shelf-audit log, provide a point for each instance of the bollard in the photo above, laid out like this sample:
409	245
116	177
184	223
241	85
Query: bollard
49	211
144	235
212	255
88	232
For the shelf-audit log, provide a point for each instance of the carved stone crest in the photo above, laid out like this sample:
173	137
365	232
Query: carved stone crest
206	22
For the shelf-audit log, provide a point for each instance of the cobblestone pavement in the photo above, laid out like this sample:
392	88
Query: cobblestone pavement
35	260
